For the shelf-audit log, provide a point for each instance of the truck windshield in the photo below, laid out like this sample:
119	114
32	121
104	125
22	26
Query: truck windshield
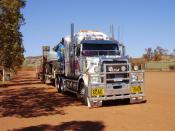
100	49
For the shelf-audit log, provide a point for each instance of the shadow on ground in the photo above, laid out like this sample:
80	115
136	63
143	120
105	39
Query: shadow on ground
72	125
22	79
21	83
34	101
119	102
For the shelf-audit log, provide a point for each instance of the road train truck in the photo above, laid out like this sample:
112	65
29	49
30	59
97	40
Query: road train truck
95	68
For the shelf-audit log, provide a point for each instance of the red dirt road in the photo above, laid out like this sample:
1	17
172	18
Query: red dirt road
28	105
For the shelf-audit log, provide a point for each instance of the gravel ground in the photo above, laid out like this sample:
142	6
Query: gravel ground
28	105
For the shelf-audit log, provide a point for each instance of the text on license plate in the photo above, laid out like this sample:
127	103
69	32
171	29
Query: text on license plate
136	89
97	92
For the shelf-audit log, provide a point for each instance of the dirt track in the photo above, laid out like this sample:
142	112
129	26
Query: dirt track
29	105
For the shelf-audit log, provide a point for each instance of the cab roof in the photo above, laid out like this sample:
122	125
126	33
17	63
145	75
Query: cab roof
99	42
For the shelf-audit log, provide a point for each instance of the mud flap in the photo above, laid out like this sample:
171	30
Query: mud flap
88	103
93	104
135	100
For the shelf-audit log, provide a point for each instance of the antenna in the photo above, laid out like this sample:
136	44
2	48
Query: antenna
72	32
112	31
118	31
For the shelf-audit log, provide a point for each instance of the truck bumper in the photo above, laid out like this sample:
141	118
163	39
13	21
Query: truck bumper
97	102
115	94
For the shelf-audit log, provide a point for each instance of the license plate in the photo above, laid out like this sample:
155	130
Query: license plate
97	92
136	89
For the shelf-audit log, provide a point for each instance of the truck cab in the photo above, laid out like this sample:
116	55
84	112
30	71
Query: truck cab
106	73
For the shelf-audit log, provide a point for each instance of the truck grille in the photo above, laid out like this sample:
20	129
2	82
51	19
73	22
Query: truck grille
116	72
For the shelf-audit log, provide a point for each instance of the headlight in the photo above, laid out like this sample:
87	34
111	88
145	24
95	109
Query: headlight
136	77
123	68
133	78
136	68
110	68
96	69
95	79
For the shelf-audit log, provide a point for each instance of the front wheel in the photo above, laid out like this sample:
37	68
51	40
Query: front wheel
61	86
82	93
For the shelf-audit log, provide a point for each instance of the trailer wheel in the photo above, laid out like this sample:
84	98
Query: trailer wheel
82	93
57	84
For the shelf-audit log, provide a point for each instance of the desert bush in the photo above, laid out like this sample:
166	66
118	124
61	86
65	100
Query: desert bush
172	67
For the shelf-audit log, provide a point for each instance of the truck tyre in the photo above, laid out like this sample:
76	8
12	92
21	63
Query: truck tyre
48	69
82	93
62	89
57	84
46	79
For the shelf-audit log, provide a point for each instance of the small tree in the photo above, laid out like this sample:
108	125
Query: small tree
11	47
148	56
154	54
157	55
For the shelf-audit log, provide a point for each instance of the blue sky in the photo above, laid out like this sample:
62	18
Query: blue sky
143	23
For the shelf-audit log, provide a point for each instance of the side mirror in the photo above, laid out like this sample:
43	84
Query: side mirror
78	52
122	51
